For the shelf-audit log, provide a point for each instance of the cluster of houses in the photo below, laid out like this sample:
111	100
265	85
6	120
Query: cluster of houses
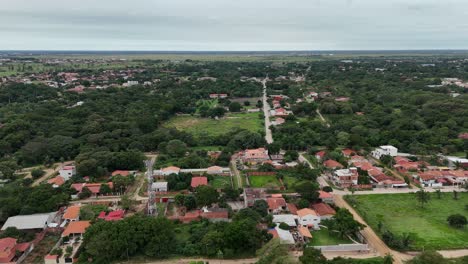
66	222
349	177
277	110
299	222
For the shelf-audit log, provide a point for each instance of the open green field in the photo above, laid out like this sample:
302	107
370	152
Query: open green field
401	213
323	238
220	182
263	182
210	127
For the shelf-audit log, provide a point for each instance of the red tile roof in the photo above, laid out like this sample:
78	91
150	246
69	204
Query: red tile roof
77	227
323	209
292	208
59	181
72	212
276	203
112	216
332	164
7	249
198	181
325	195
348	152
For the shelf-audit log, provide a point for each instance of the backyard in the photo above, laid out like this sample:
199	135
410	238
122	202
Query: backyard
220	182
323	237
264	182
211	127
401	213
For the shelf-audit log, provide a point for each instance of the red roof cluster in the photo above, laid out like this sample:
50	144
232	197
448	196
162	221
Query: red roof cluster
275	203
323	209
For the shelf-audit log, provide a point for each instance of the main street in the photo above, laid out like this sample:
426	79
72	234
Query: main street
266	113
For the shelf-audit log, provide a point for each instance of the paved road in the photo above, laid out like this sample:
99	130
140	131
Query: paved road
266	113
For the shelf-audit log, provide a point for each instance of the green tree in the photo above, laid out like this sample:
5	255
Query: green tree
423	197
235	107
308	191
344	223
312	255
457	220
37	173
206	195
261	207
190	202
85	193
176	148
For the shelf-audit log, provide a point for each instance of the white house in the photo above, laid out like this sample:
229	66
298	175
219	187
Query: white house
288	219
384	150
67	172
308	217
159	186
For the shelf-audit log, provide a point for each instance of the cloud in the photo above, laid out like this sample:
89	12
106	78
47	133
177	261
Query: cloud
233	24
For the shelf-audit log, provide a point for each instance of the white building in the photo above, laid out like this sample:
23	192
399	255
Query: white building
288	219
159	186
384	150
30	222
67	172
308	218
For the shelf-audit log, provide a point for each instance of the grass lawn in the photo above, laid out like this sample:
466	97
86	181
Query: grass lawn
200	127
220	182
263	182
291	182
323	238
401	213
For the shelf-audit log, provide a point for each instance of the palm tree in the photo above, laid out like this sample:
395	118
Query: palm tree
423	197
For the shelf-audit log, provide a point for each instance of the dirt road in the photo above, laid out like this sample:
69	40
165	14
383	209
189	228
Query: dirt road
266	113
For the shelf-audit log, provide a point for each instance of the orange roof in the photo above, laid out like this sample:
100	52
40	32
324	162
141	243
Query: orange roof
305	211
292	208
325	195
275	203
304	231
347	152
78	227
332	164
197	181
57	181
214	168
72	212
121	172
323	209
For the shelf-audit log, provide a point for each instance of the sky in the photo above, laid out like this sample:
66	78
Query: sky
233	25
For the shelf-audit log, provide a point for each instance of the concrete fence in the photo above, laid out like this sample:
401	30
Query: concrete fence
344	247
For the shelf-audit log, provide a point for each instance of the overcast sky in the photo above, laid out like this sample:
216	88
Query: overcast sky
233	24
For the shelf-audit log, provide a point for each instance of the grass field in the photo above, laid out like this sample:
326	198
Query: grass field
401	213
210	127
323	238
263	182
220	182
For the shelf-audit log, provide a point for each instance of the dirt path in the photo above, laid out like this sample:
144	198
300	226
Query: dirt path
48	171
188	260
322	118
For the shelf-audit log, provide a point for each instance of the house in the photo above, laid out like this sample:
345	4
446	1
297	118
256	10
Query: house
332	164
56	181
67	172
278	121
30	222
292	208
430	178
72	213
213	170
285	236
276	205
77	228
454	162
124	173
198	181
254	194
348	152
304	232
346	177
288	219
255	156
326	197
10	249
320	155
324	210
384	150
112	216
170	170
159	186
95	188
308	218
